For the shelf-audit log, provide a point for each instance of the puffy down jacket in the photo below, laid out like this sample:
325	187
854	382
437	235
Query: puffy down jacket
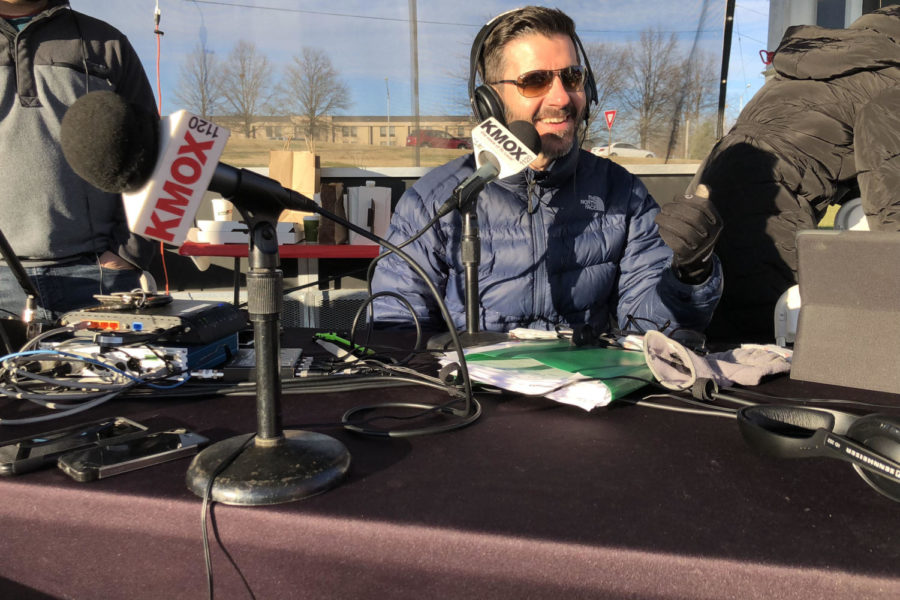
571	245
827	121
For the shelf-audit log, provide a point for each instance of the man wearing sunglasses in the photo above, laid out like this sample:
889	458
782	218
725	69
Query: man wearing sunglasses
571	240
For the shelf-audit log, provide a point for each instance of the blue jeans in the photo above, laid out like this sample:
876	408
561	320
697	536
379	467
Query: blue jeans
63	288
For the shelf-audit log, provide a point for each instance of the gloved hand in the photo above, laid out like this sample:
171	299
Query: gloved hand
690	226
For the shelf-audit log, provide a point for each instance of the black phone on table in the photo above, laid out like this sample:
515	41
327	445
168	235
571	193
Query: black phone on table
105	460
30	453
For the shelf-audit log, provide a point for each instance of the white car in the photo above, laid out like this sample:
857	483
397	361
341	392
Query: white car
621	149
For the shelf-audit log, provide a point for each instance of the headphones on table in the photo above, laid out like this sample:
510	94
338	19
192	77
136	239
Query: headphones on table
485	100
871	443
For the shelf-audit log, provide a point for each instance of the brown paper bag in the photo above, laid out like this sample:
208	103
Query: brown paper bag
332	201
296	170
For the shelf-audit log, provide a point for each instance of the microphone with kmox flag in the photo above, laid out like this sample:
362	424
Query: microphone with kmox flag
499	153
163	167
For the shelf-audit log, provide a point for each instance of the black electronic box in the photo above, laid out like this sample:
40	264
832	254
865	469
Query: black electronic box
191	321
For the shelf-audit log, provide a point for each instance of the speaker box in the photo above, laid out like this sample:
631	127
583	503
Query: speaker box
332	310
848	332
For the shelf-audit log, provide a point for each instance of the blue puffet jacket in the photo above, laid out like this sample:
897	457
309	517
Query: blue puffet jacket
571	245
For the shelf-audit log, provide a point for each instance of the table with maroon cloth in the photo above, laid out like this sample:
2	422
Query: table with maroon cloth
533	500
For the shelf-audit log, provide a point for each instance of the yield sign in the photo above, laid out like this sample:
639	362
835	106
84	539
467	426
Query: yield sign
610	117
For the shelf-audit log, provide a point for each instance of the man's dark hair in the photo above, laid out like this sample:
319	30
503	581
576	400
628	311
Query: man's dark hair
523	21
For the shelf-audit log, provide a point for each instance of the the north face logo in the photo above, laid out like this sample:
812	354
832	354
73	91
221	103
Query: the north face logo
593	203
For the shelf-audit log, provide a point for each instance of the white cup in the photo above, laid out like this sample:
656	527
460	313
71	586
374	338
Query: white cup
222	209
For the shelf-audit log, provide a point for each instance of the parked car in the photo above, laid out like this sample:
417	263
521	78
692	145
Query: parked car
621	149
433	138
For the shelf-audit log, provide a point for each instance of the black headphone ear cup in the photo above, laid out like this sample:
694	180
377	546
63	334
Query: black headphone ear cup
486	103
782	431
881	434
590	84
590	89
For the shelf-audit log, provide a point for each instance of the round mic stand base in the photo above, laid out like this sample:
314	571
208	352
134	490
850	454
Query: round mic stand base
271	466
269	471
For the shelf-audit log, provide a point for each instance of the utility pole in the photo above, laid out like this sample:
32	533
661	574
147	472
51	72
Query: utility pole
414	66
388	88
723	79
687	138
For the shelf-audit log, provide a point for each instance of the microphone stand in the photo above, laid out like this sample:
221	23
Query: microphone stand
31	294
277	465
470	255
470	252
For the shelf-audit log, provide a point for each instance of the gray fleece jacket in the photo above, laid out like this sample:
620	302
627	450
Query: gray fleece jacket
47	212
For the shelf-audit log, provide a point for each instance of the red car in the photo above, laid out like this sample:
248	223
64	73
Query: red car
432	138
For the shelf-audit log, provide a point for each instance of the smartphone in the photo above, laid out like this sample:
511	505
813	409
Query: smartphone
116	457
26	454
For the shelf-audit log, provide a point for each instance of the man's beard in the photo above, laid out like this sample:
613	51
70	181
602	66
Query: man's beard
556	145
557	150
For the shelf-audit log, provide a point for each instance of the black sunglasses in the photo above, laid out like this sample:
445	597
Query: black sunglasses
537	83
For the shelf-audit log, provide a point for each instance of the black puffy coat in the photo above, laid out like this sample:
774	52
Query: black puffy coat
829	120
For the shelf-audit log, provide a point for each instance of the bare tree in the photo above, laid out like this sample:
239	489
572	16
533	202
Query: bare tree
653	77
246	83
701	84
698	94
608	65
200	83
458	102
312	89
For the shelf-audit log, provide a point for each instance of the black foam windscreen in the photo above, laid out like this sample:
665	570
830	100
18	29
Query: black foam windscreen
527	134
109	142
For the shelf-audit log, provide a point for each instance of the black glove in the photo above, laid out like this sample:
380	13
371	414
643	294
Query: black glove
690	226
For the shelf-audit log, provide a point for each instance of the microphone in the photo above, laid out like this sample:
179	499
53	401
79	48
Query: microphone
164	167
499	153
161	166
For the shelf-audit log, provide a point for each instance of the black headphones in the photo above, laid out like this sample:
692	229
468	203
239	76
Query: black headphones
870	443
484	99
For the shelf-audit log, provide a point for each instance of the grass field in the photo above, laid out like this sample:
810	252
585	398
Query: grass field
242	152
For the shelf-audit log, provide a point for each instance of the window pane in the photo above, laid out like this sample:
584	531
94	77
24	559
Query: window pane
366	49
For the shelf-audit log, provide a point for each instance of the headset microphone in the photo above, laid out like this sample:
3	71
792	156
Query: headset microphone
870	443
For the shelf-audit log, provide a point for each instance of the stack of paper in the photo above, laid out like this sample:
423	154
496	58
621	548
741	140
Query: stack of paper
583	376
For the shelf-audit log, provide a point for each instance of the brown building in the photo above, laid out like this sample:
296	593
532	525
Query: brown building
371	130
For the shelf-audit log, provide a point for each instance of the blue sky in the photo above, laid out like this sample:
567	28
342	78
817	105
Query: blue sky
369	41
